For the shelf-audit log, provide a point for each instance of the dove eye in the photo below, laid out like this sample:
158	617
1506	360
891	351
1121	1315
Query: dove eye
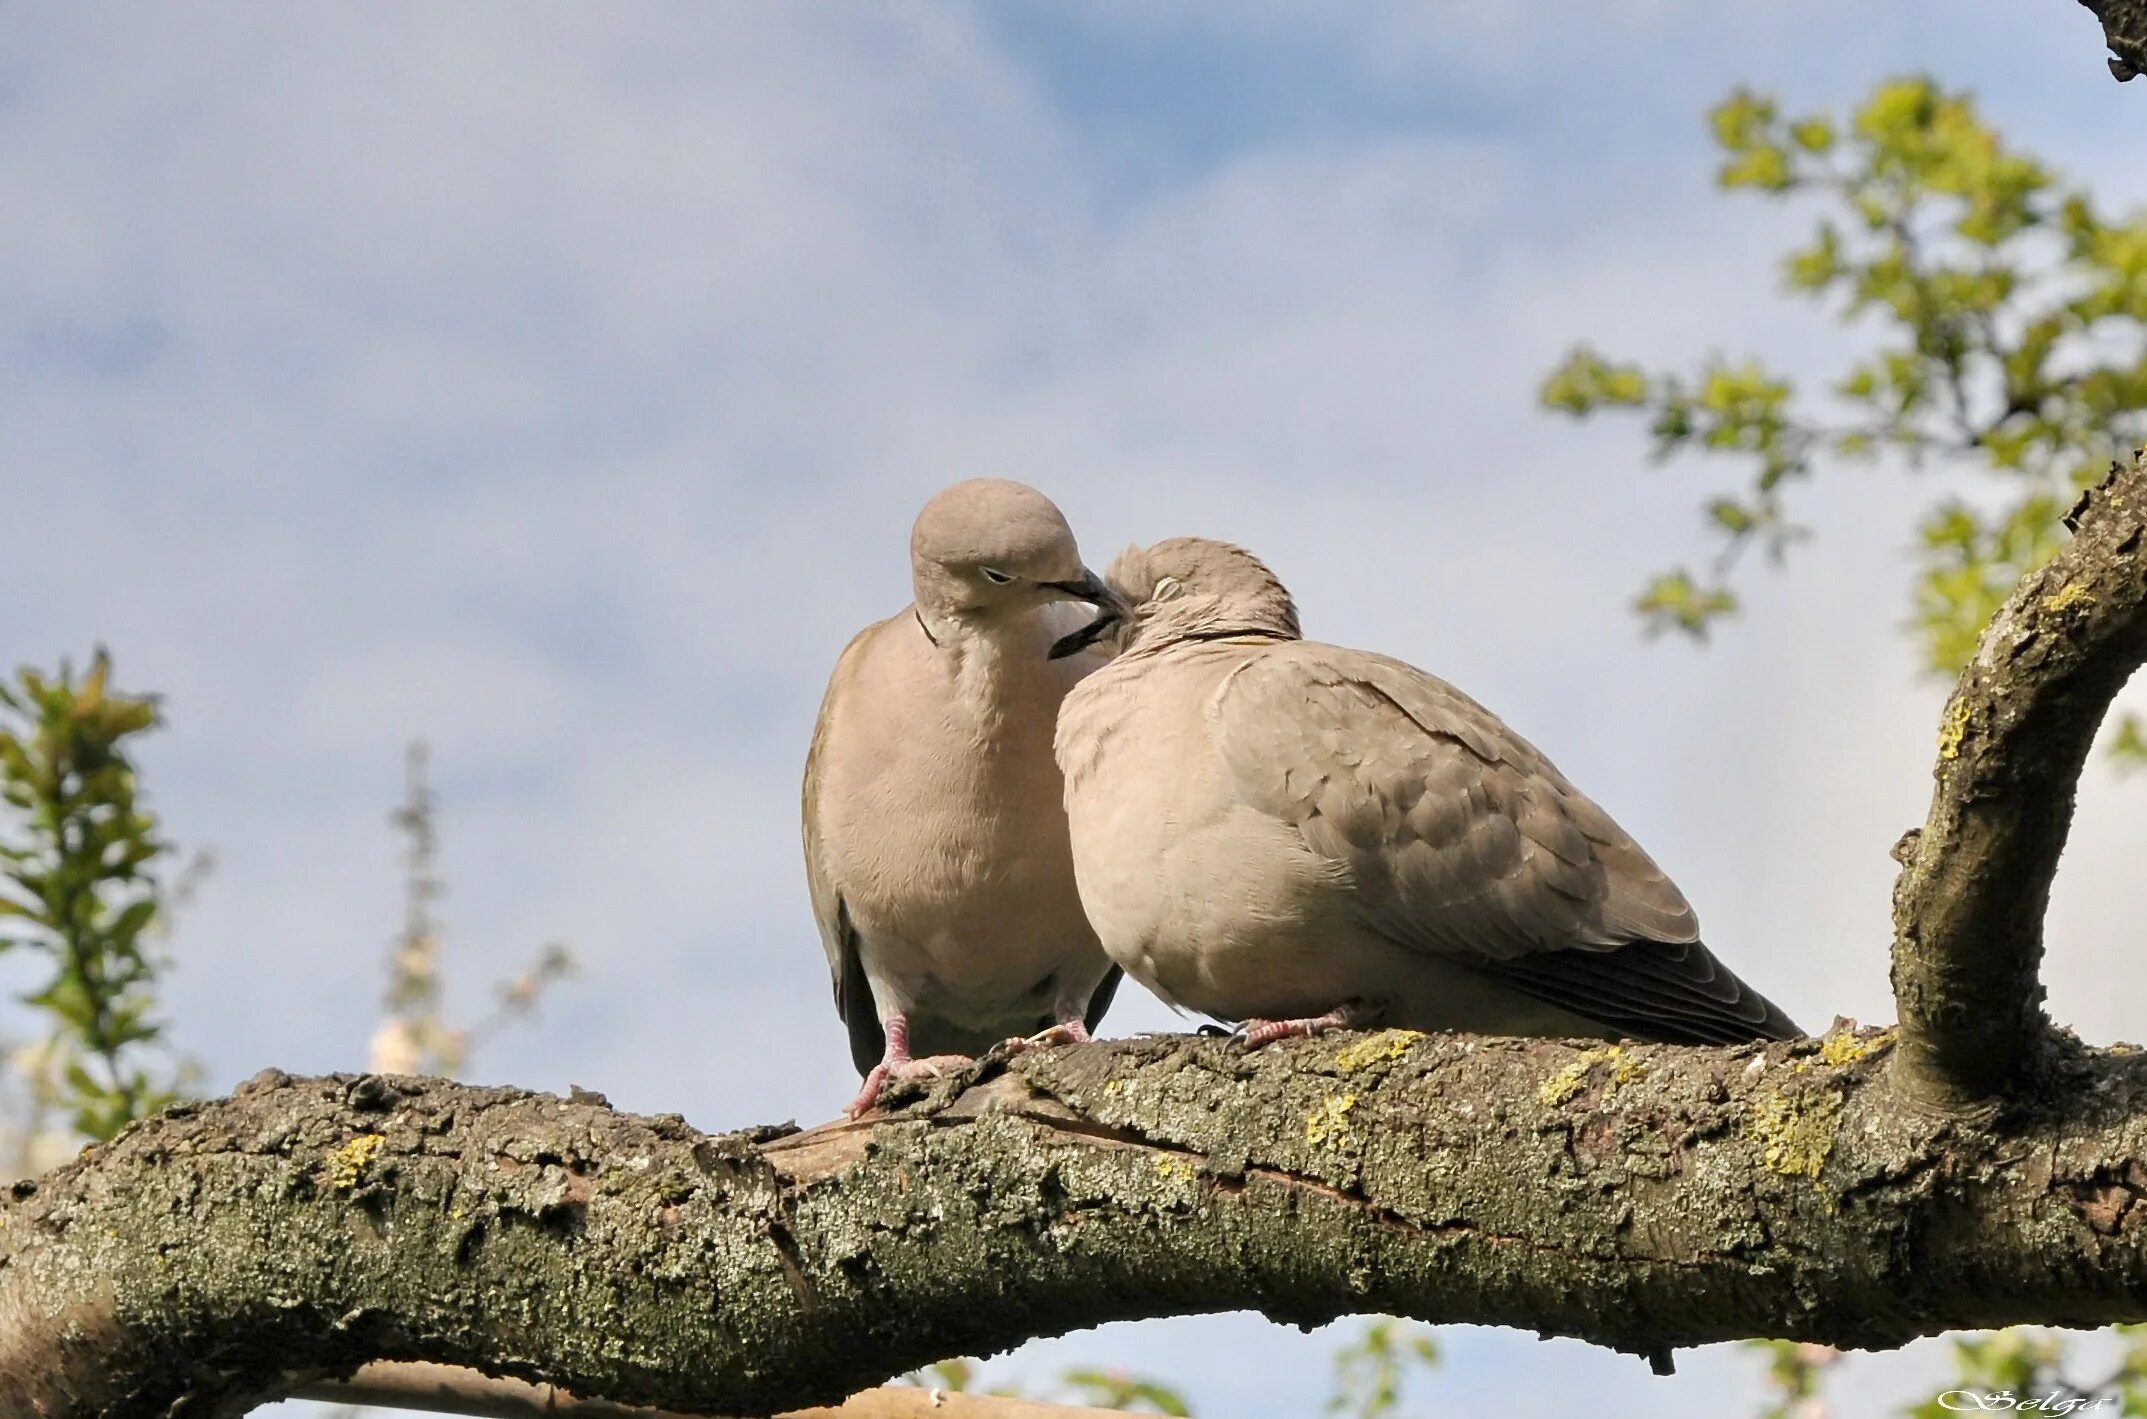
1166	588
996	578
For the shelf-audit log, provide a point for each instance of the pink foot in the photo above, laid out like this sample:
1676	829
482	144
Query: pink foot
937	1066
1347	1015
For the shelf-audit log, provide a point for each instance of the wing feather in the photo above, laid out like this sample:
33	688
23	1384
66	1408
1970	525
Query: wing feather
1459	838
838	937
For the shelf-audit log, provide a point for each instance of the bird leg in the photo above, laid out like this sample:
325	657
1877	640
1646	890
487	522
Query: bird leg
896	1063
1346	1016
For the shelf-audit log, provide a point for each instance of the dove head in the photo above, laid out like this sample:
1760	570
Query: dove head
989	548
1191	588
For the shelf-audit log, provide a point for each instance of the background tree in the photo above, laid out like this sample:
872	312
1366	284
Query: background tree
2008	353
2007	323
415	1035
78	887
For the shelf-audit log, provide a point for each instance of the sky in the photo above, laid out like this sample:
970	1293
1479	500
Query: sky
557	384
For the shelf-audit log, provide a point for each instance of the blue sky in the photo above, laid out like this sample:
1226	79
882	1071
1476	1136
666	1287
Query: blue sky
557	383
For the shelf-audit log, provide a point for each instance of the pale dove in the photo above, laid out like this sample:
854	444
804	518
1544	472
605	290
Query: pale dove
1301	837
935	836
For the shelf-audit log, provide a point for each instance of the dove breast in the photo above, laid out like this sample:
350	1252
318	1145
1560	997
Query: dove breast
933	825
936	851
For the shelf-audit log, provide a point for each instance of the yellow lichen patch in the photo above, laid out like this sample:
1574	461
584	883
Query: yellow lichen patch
1387	1044
1624	1069
1795	1132
1175	1168
2070	595
1563	1085
1329	1123
346	1163
1953	729
1846	1048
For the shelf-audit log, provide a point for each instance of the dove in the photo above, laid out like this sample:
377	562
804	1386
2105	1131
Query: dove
935	833
1300	837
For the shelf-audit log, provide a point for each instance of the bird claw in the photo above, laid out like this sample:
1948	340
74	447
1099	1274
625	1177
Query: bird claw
936	1066
1347	1015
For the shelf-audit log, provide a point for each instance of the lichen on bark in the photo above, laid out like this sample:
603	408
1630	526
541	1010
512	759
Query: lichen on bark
1969	904
223	1252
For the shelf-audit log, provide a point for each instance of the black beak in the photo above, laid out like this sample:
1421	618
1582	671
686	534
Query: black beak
1110	610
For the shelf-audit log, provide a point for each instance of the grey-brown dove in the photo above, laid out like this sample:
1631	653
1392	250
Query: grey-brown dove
935	834
1301	837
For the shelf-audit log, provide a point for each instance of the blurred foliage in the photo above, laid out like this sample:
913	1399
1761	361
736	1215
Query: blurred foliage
954	1376
2007	317
2027	1370
1370	1377
414	1036
1371	1372
76	887
1102	1389
1794	1372
2023	1370
1115	1389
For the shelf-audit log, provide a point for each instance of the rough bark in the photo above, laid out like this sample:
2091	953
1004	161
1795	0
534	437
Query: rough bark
1643	1197
1968	907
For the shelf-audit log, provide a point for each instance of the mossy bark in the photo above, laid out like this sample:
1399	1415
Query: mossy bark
1969	904
1642	1197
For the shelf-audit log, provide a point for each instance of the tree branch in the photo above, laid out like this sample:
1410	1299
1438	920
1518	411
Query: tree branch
1644	1197
2124	29
1969	905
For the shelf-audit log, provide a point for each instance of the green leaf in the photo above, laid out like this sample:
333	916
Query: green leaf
129	923
1742	120
1732	516
1586	382
2128	746
1819	265
1814	134
1766	168
1674	601
1115	1389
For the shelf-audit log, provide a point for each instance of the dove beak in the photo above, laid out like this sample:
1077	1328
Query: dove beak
1110	610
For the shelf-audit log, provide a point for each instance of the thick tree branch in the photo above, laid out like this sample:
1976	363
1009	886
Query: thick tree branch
1968	909
1643	1197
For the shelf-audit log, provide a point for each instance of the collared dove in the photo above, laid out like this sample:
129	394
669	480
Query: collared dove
935	835
1300	837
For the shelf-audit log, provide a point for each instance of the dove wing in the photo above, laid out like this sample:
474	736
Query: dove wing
1459	838
838	937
